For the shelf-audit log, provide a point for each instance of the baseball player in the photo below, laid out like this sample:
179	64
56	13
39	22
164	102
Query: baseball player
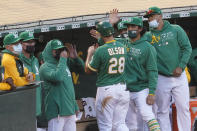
141	71
173	52
59	96
142	93
112	99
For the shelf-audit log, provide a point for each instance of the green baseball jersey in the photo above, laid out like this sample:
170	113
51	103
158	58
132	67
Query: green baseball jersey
109	63
141	65
173	48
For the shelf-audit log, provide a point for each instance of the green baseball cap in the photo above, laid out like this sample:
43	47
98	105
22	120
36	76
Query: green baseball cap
152	11
10	39
121	26
134	21
25	36
56	44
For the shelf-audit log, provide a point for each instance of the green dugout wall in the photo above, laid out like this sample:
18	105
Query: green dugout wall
17	112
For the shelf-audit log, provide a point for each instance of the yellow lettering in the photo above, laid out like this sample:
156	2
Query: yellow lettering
75	78
80	54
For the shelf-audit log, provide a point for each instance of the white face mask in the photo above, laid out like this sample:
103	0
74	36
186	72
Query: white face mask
153	24
17	49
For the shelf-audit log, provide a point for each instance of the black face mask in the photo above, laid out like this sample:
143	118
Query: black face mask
30	49
132	34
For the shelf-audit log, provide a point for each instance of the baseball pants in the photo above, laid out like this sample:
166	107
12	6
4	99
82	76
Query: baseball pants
139	108
112	104
41	129
177	87
62	123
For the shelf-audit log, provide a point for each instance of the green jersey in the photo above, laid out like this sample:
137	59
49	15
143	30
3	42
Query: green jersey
59	94
141	67
141	64
172	46
109	62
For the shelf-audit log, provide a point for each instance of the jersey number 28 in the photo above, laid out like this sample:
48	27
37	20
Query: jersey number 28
116	63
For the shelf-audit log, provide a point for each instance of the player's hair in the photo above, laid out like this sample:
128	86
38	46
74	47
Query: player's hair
144	29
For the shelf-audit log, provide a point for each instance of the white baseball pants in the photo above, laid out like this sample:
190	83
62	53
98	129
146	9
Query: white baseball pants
41	129
112	104
62	123
138	108
177	87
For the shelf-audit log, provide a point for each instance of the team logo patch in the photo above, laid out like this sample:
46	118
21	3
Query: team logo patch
30	34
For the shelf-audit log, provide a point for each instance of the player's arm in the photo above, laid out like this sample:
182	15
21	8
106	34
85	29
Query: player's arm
185	48
4	86
75	63
91	64
151	67
55	75
7	84
88	59
113	16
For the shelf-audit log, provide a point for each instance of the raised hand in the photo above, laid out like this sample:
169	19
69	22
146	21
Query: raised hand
92	49
95	34
64	54
113	16
72	50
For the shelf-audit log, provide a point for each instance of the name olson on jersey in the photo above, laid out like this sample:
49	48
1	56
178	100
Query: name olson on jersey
116	51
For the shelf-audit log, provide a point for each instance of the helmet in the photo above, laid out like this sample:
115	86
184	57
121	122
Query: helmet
105	29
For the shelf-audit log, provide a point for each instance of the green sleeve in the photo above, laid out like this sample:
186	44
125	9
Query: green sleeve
95	61
76	65
148	37
55	75
185	46
151	67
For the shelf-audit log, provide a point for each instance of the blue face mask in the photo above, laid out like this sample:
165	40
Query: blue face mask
132	34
